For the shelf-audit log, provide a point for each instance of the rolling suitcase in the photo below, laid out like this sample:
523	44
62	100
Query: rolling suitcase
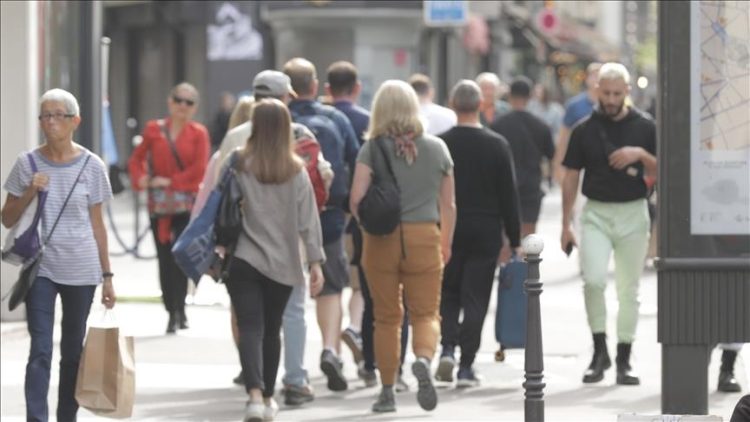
510	316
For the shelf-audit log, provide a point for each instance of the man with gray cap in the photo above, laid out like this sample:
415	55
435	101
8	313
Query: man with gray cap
487	202
297	390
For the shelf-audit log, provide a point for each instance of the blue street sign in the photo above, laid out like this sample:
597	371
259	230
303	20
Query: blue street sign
445	13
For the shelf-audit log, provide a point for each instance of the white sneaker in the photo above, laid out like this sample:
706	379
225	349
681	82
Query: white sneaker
271	409
254	412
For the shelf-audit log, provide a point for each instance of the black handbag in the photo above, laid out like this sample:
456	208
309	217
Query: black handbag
380	208
29	271
228	223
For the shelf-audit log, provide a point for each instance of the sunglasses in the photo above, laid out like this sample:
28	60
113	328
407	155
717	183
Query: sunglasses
180	100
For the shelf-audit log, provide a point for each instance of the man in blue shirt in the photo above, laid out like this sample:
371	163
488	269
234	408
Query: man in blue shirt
343	87
576	108
339	145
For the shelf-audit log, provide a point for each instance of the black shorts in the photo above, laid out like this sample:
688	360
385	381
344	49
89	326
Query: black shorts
530	208
335	269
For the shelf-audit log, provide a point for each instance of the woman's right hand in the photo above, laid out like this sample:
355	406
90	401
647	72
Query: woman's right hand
316	279
39	182
143	181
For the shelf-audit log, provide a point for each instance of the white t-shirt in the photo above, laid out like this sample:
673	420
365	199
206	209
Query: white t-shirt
437	118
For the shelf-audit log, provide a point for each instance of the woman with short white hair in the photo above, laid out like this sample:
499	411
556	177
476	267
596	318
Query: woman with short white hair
412	256
76	257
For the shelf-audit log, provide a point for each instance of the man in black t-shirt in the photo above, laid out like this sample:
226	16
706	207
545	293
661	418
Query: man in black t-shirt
531	141
616	146
486	202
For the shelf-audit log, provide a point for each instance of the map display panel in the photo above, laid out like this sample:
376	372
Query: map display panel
720	118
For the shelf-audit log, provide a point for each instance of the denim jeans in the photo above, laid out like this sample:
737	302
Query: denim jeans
40	313
295	336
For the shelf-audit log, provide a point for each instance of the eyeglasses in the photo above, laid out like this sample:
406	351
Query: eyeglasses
180	100
46	117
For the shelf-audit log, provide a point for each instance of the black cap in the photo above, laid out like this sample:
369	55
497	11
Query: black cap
520	87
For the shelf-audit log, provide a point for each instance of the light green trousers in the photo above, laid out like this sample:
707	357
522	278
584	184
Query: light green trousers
622	227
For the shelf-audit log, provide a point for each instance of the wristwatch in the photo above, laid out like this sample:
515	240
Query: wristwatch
108	274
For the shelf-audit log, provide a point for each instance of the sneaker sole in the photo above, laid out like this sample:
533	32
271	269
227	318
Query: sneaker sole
466	383
386	410
336	380
426	394
445	370
354	347
296	399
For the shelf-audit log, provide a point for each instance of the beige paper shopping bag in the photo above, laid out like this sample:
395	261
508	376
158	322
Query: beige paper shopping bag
106	374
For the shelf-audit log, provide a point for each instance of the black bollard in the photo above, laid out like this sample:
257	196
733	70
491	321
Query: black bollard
534	361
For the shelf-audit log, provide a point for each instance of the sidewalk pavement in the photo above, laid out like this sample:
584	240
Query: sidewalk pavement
188	376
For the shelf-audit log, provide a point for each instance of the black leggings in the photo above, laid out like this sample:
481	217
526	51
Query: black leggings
259	304
171	278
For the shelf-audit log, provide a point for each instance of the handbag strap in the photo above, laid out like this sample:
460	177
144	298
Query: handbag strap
57	220
379	142
34	168
165	131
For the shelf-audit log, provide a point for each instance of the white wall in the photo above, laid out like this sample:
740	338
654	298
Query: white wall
610	22
18	109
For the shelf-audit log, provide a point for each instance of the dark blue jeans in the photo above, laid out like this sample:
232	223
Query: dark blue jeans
40	313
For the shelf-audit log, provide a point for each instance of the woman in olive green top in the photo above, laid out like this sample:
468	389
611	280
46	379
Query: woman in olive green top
423	169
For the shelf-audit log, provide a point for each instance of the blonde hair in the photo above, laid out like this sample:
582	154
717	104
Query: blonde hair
243	111
270	144
612	71
395	111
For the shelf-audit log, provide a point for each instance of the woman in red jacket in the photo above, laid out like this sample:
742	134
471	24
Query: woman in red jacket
171	161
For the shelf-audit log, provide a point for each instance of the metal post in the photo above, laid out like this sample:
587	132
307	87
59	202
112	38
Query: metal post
534	362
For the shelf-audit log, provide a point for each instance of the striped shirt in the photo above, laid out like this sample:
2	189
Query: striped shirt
71	256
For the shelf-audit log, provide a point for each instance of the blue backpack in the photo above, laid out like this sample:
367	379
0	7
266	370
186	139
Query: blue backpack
319	119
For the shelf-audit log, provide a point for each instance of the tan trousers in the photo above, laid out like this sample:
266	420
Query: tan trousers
420	275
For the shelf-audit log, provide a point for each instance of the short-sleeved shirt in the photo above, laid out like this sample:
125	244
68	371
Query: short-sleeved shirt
591	143
577	108
71	257
530	139
358	117
419	182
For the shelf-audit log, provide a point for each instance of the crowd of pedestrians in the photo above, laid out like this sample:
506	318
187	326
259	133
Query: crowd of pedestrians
469	180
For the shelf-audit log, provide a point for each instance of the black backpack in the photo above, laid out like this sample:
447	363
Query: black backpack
380	208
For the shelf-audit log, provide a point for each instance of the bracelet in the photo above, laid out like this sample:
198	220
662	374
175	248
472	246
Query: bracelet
108	274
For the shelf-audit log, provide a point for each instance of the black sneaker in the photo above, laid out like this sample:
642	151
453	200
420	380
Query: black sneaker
426	394
238	379
386	402
369	377
401	385
353	340
467	378
295	395
445	369
332	367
